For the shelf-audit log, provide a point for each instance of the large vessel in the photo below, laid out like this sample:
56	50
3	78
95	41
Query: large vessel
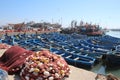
84	28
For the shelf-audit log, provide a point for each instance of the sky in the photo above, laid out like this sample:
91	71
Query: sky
106	13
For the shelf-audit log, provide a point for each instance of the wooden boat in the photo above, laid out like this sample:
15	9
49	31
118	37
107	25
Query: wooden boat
75	60
79	60
84	51
112	60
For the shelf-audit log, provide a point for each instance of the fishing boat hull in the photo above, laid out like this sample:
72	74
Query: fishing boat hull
112	61
76	60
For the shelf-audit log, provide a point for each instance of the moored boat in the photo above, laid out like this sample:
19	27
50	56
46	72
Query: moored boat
112	60
74	59
84	29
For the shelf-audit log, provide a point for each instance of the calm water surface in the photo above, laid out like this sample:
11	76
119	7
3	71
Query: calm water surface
114	33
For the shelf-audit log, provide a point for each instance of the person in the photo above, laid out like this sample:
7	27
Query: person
36	34
6	34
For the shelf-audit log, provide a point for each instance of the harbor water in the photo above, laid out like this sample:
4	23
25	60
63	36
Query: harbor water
100	68
114	33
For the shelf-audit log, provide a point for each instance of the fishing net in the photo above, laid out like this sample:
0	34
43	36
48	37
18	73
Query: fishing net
44	65
13	59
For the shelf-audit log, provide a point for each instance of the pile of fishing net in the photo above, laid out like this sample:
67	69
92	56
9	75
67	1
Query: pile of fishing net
44	65
106	77
13	59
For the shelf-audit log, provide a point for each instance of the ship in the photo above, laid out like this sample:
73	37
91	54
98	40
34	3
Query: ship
84	29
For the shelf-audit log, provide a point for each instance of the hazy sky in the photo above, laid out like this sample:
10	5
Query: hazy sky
106	13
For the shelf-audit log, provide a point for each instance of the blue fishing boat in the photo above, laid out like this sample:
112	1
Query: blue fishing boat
75	60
